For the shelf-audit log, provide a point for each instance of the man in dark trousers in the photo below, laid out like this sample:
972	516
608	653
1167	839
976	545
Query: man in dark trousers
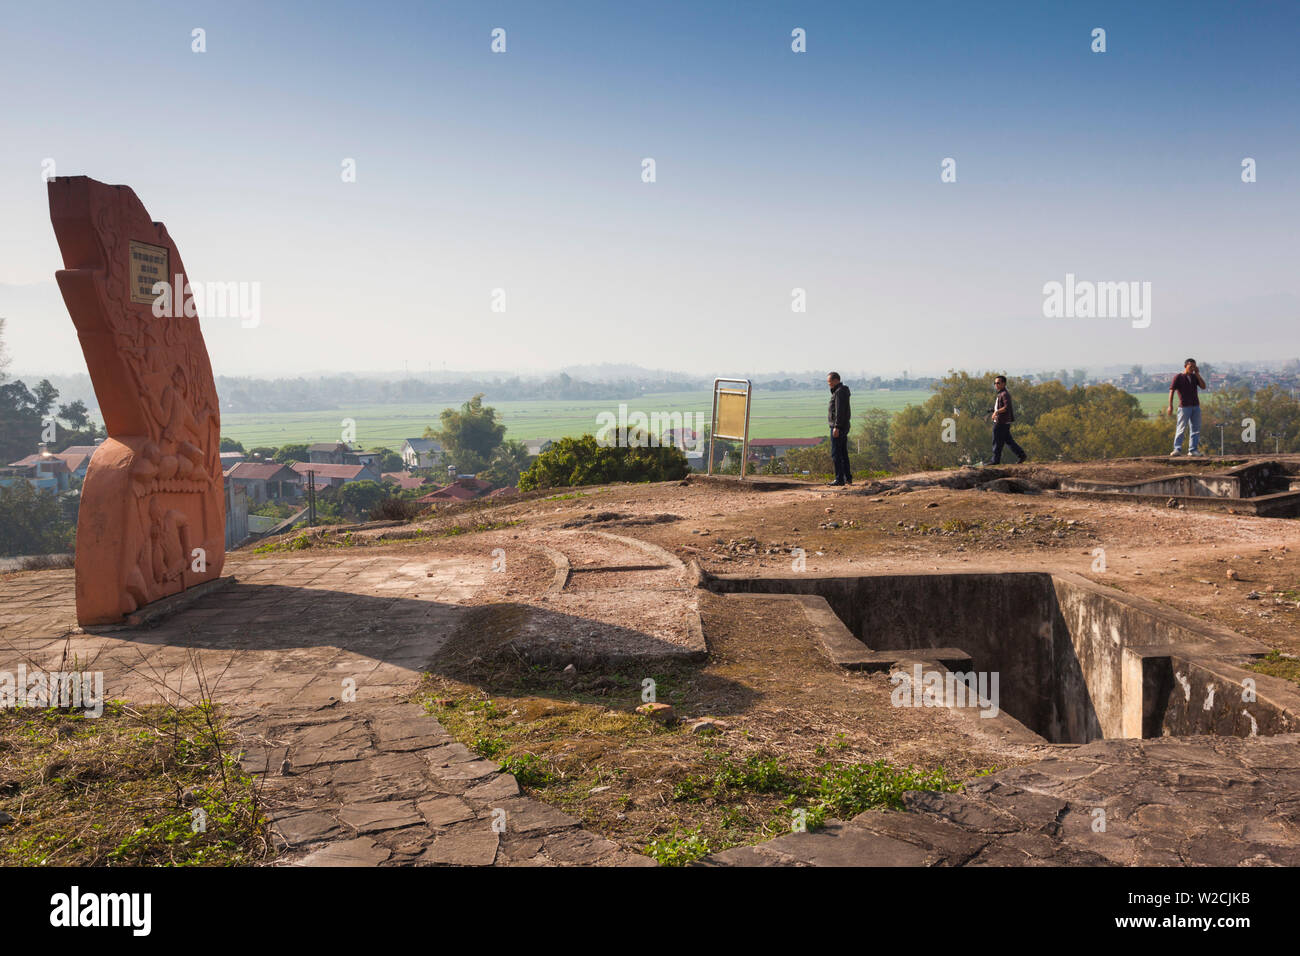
837	416
1003	415
1186	383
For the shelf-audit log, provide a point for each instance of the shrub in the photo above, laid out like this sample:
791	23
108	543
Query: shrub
395	509
583	461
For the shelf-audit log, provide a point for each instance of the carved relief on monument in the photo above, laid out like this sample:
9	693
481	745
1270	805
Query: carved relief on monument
152	518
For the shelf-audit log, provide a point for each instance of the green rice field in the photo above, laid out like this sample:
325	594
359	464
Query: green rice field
775	415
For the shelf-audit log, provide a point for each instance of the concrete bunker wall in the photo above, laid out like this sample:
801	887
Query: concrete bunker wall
1213	697
1076	661
1008	624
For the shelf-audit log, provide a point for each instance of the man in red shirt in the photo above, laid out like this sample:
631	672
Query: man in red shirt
1186	383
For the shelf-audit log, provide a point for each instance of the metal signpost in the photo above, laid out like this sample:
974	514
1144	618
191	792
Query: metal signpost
731	416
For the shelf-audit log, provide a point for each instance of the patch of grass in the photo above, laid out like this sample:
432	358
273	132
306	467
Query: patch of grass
680	849
577	744
529	769
149	786
488	747
845	790
1277	664
306	540
840	790
756	774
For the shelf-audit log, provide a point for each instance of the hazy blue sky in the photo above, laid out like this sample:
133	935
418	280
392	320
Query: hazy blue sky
775	170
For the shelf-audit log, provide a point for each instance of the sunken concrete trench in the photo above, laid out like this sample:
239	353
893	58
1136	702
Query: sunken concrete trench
1158	747
1268	489
1075	661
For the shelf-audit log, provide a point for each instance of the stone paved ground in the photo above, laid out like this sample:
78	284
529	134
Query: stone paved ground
289	631
368	785
373	781
364	782
1223	801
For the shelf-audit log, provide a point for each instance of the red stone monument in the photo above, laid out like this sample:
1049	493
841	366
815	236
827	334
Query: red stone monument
152	520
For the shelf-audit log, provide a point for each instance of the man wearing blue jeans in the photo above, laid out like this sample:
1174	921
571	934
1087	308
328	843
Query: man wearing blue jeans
1186	383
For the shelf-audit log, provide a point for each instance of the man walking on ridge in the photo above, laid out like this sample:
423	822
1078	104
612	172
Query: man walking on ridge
837	416
1003	415
1186	383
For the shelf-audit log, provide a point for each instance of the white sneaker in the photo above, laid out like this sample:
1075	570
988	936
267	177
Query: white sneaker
1175	453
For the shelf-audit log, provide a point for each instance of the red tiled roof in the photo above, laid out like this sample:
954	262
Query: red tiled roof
785	442
462	489
31	461
260	471
404	480
328	471
330	446
449	493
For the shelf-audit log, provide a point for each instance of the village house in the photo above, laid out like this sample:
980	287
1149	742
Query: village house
334	476
404	480
332	453
45	471
462	489
265	481
78	459
536	446
421	453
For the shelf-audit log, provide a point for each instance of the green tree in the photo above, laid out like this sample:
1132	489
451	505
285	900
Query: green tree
869	447
357	498
469	435
815	460
229	444
21	420
292	453
1272	409
510	461
32	521
76	416
1053	422
1100	421
79	430
389	460
46	397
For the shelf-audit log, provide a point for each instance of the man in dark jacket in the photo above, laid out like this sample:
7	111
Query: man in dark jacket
1003	415
837	416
